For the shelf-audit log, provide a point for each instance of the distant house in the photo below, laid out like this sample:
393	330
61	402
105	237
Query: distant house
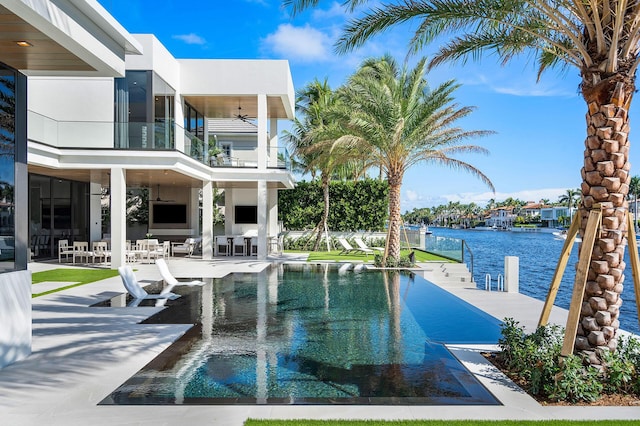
501	217
551	216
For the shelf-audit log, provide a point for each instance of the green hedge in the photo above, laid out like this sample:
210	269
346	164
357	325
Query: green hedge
353	205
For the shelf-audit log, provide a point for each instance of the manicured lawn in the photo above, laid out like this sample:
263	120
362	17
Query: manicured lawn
254	422
77	276
335	256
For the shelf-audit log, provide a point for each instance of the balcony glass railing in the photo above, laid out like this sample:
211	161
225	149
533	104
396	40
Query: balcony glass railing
156	136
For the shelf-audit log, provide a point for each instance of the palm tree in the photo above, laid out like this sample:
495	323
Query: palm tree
570	198
312	103
634	189
601	39
389	118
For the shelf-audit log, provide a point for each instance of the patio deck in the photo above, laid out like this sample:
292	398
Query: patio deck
81	354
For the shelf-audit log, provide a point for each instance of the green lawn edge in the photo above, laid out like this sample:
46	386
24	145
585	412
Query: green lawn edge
268	422
77	276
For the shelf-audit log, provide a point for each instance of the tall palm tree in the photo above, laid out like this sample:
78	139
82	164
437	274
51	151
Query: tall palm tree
634	189
389	118
598	37
312	103
570	198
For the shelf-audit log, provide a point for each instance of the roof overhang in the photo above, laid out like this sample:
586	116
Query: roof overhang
64	38
218	87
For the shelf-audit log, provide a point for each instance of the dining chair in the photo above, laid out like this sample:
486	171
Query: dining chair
239	245
81	250
222	245
64	250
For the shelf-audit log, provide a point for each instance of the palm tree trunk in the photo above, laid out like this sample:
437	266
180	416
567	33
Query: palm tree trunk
606	181
325	213
395	217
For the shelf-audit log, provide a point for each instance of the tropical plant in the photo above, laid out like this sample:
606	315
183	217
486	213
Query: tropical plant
634	189
601	39
312	102
388	117
570	198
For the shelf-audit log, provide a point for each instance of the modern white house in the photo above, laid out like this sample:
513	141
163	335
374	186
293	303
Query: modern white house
150	129
86	106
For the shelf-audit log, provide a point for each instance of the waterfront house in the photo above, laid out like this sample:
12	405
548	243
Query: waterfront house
105	112
151	129
501	218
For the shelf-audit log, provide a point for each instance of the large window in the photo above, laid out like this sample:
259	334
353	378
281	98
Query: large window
7	167
144	112
58	209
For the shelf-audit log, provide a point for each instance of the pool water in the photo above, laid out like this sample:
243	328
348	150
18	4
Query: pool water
315	334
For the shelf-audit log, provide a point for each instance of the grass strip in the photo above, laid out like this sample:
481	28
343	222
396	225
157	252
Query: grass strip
334	255
77	276
261	422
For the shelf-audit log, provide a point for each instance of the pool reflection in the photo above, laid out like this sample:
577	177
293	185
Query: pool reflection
303	334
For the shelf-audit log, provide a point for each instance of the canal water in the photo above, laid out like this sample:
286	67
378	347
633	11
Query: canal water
538	256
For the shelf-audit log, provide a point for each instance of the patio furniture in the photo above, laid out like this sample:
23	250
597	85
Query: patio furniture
64	250
100	250
239	245
222	245
138	293
276	244
169	279
254	246
159	251
81	250
187	248
348	248
361	244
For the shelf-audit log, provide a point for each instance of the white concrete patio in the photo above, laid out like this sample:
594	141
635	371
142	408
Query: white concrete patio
81	354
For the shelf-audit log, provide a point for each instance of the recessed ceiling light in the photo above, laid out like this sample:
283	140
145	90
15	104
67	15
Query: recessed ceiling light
24	43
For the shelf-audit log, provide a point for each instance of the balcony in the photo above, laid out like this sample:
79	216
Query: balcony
156	136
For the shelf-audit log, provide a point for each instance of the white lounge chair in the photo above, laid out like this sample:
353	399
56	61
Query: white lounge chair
137	292
187	248
348	248
168	277
361	244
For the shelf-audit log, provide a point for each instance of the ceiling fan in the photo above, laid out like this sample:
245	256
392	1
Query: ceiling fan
160	200
241	116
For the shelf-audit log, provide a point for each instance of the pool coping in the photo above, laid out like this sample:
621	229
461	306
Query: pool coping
79	356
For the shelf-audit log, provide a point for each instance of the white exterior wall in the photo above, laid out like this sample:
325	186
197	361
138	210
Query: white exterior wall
15	316
243	197
74	112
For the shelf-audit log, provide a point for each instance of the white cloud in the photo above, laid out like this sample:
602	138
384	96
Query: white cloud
303	44
412	195
523	87
191	38
336	10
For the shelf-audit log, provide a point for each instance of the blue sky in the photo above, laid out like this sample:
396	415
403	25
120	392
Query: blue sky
538	148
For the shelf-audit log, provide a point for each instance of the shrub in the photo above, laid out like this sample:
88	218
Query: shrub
392	262
536	359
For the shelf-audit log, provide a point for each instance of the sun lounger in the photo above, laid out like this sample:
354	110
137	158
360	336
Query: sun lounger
348	248
168	277
137	292
361	244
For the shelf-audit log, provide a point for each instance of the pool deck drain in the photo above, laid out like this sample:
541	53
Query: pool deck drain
80	354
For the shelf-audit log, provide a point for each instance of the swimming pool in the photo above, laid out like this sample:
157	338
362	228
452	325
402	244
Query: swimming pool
315	334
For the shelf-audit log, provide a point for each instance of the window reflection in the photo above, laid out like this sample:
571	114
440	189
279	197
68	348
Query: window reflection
7	167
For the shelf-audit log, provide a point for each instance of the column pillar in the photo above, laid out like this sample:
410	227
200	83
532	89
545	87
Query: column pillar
118	211
272	217
228	211
262	219
273	143
262	131
95	211
207	219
